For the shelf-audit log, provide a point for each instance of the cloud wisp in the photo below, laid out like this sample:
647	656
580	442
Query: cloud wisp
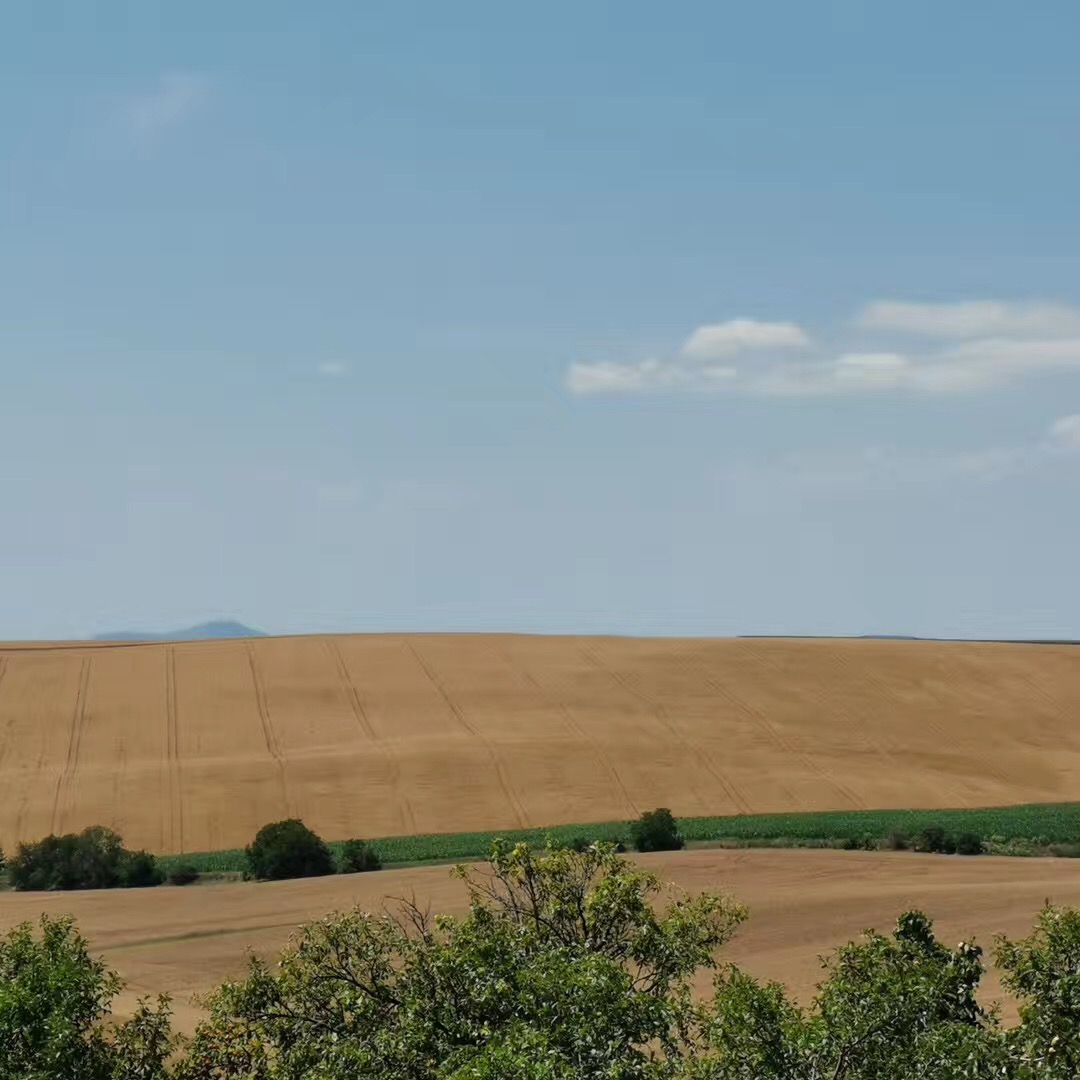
971	319
176	96
333	369
979	345
845	474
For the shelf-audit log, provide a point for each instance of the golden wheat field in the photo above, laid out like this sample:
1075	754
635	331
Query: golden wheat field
193	746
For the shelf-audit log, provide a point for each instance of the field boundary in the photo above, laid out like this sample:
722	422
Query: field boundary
1010	830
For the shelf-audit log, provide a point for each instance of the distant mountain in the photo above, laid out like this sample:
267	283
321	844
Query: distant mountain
222	628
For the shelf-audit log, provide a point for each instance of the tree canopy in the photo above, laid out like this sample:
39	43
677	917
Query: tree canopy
570	965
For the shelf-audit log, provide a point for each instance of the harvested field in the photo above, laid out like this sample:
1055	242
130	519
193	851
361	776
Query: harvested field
803	904
192	746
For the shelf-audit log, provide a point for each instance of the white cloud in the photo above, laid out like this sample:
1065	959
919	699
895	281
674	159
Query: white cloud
717	340
971	319
176	96
333	369
961	366
967	368
607	377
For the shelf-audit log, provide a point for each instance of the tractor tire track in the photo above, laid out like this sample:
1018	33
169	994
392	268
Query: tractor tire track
972	752
172	756
359	710
493	754
885	747
787	745
272	747
678	737
62	793
599	753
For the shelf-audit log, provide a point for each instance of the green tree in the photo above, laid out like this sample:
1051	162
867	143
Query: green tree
562	969
656	830
288	849
93	859
53	1003
1043	971
358	857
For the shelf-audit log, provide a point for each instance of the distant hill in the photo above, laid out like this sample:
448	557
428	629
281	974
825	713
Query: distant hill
203	632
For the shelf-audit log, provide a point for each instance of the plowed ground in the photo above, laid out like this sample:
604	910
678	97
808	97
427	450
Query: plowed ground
193	746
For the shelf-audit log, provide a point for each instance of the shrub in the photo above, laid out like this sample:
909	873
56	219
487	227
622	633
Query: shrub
93	859
897	841
932	839
288	849
969	843
656	830
356	857
1065	851
184	874
140	870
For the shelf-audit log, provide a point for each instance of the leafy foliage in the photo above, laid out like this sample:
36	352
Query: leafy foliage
357	857
570	965
562	969
184	874
53	1001
93	859
969	843
288	849
656	830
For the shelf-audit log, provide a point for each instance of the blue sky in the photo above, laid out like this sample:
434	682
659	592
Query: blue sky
587	317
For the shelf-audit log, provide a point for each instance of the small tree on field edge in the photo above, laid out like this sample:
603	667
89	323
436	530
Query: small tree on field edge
656	830
358	857
288	849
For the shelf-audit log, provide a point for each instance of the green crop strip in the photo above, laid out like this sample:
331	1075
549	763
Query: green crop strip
1038	824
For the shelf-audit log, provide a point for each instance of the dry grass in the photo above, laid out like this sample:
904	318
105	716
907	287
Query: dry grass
193	746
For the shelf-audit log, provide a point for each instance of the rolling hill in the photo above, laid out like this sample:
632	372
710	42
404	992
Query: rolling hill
193	745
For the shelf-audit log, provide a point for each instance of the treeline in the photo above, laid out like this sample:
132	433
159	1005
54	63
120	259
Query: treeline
97	859
567	967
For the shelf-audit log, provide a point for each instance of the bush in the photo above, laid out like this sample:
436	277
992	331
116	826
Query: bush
93	859
931	839
357	857
288	849
140	870
184	874
583	843
1065	851
897	841
969	843
656	830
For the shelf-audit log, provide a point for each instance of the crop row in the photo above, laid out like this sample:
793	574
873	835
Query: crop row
1039	823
